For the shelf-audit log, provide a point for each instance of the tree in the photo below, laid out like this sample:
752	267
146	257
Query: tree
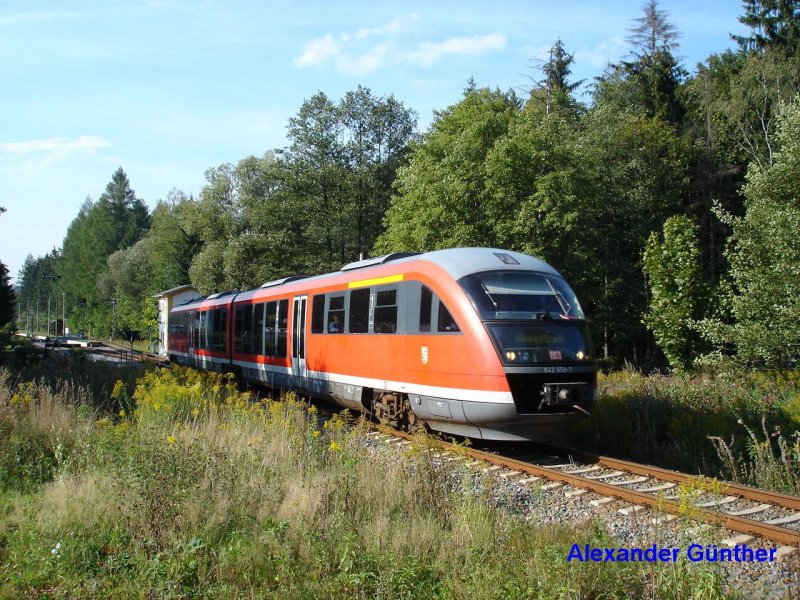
37	285
115	222
775	25
7	297
555	90
764	256
442	198
650	82
342	162
170	248
678	294
245	227
638	168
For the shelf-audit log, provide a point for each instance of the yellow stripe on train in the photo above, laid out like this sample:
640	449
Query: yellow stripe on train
375	281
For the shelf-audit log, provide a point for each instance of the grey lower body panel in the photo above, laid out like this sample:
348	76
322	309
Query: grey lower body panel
491	421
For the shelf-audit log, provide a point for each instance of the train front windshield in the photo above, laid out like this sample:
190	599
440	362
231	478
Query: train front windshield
532	317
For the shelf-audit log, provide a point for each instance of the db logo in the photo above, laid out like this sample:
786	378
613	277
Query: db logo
555	354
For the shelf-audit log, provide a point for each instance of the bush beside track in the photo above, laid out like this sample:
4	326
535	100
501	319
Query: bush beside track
743	427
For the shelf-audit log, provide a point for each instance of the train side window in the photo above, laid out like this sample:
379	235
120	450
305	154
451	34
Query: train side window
283	321
218	329
446	321
194	317
336	314
425	305
258	328
238	329
269	329
385	311
359	311
203	341
247	330
318	314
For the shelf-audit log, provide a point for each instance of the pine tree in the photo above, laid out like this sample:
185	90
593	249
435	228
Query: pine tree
775	24
7	297
655	69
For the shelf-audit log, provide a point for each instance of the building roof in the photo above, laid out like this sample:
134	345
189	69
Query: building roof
176	290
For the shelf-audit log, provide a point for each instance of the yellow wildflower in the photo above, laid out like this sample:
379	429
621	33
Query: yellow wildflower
334	446
316	433
171	439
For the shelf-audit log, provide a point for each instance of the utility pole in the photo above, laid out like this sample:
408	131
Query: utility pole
57	280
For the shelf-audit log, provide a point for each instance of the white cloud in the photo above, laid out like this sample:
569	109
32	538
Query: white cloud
601	54
354	53
364	63
428	53
318	51
55	144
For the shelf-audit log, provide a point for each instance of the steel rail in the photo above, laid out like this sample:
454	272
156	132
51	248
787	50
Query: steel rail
744	491
767	531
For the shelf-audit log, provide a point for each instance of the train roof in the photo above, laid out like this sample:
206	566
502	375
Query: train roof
456	262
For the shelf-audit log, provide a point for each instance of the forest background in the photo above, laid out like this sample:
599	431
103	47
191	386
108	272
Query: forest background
668	200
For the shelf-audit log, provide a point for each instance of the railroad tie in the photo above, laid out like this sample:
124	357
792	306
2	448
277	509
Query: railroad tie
664	519
552	486
606	476
631	481
737	540
585	470
717	502
529	480
629	510
575	493
658	488
783	551
597	502
753	510
784	520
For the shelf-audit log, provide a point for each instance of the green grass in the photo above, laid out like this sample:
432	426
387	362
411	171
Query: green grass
195	490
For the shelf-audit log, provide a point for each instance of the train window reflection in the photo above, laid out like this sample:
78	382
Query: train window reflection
425	303
446	322
318	314
359	311
336	314
386	312
522	294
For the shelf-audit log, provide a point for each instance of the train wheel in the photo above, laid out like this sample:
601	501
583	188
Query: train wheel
395	409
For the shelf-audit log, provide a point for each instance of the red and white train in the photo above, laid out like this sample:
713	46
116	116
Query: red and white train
477	342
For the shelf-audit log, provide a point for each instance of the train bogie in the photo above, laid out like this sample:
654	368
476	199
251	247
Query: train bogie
477	342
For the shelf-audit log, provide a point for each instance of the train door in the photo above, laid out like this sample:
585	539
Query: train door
299	337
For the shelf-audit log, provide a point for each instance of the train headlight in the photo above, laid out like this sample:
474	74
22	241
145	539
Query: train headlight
580	355
511	355
525	356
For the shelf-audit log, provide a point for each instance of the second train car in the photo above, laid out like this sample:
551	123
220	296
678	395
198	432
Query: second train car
477	342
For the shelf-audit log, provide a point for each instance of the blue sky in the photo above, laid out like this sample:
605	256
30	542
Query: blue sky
167	89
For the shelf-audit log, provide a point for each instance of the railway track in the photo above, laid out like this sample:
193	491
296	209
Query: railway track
749	512
125	353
